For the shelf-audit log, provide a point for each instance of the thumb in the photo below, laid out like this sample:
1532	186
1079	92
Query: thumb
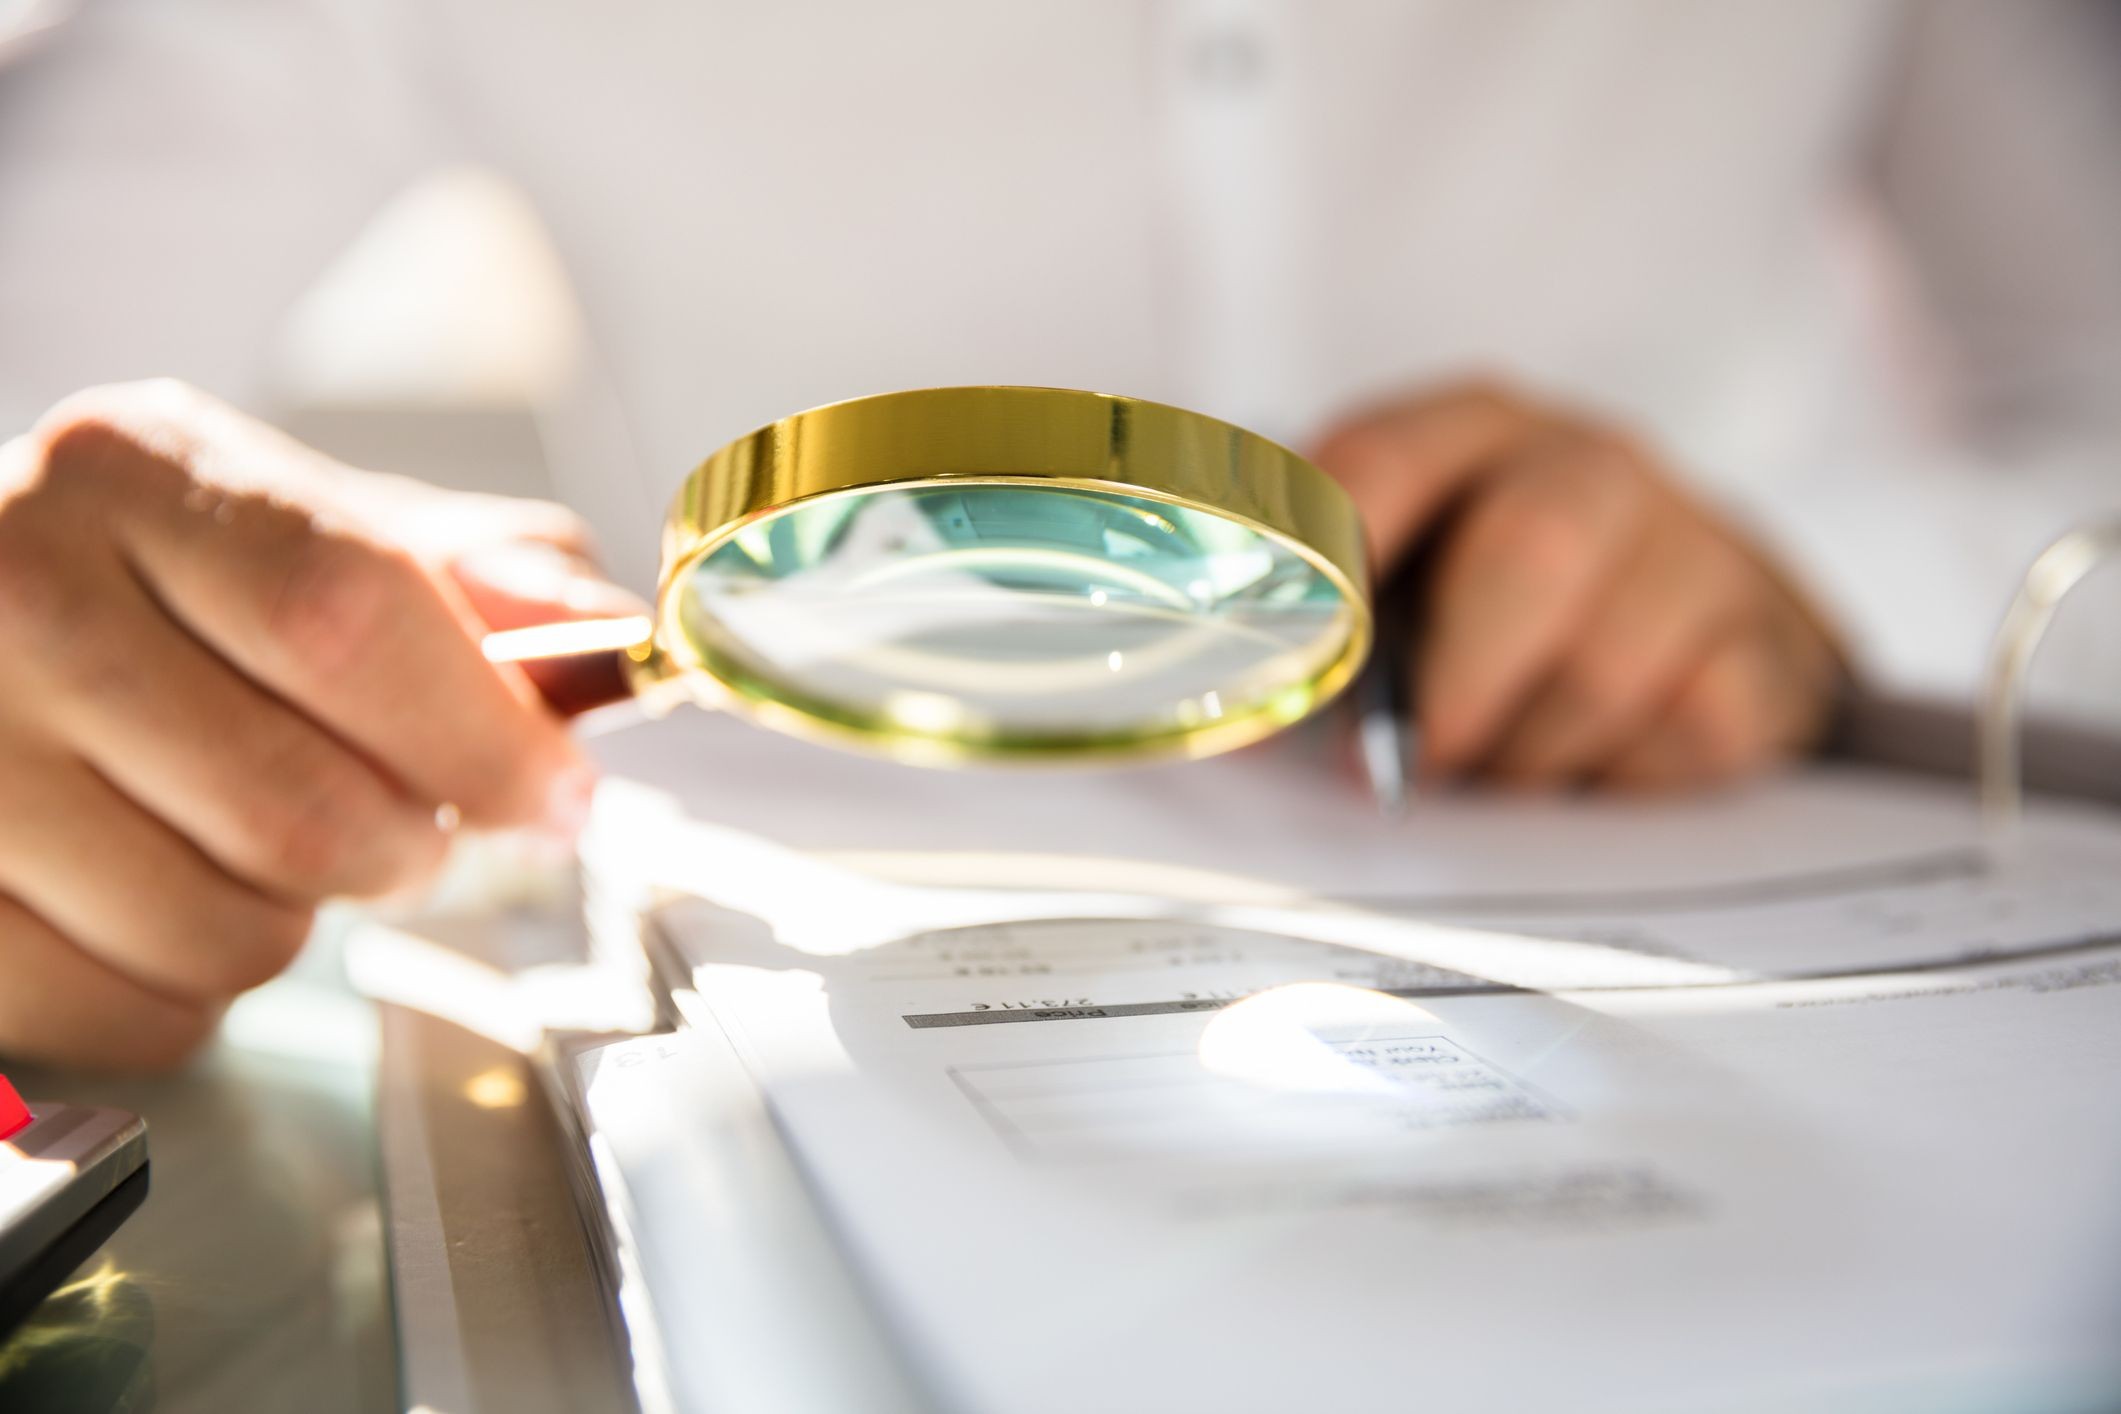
1403	464
524	583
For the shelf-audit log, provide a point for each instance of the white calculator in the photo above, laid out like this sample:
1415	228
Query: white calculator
69	1175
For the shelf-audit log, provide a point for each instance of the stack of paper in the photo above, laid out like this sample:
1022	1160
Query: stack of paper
1205	1088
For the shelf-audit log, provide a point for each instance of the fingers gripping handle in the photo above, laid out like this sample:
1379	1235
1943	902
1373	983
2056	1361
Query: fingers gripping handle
647	674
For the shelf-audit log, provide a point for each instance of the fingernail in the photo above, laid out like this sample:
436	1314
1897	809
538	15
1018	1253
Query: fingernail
567	807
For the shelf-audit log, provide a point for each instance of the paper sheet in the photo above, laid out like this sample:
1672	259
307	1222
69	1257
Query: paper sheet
1289	817
1170	1142
1825	870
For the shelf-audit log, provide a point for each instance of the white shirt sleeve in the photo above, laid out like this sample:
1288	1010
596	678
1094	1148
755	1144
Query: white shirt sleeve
1995	187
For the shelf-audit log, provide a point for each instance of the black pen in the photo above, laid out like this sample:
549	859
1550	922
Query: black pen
1385	727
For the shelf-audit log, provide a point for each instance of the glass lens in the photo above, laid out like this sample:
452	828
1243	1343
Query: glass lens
1015	617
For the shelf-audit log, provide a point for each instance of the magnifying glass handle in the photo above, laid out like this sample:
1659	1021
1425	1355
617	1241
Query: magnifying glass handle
576	664
569	639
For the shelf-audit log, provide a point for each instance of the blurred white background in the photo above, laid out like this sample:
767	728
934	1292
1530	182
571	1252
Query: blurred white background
1855	266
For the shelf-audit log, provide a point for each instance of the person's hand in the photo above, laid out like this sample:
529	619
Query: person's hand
237	678
1583	621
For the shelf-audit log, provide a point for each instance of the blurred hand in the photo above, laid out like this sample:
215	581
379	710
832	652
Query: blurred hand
1583	621
237	678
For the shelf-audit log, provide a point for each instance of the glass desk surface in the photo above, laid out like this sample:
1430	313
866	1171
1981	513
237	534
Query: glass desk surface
352	1206
254	1276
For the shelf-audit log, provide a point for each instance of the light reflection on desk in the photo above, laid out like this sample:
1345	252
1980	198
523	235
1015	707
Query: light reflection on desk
89	1347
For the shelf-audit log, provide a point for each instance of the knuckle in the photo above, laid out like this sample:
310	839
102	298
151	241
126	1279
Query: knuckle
105	444
338	598
327	827
92	456
84	439
1537	533
306	829
60	571
1598	480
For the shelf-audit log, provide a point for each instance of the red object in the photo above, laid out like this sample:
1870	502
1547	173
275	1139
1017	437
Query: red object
14	1115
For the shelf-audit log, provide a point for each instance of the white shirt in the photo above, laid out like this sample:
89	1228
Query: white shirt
1855	266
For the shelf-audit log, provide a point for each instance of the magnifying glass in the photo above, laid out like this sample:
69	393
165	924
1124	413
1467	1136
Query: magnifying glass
960	575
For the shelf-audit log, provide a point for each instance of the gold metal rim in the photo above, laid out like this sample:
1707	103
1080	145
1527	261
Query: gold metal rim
1000	436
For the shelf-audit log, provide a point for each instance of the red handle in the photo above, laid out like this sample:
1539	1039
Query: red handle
14	1115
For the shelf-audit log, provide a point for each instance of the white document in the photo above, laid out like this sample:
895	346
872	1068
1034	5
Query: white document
1833	869
1795	1098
